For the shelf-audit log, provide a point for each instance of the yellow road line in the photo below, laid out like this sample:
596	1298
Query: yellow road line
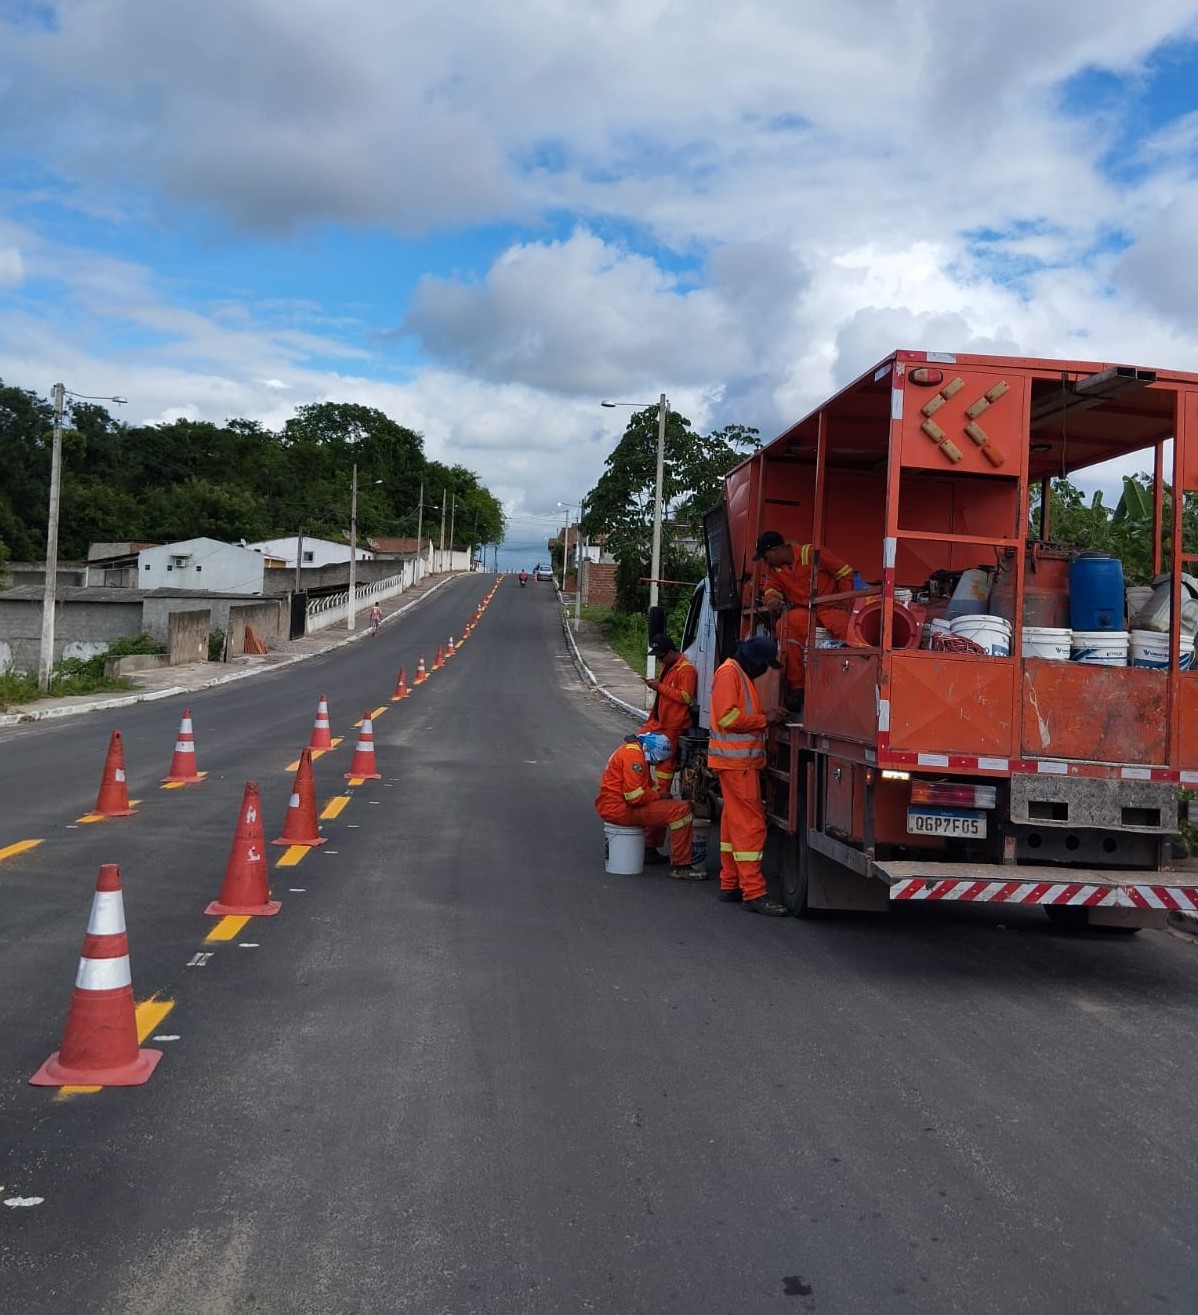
376	714
11	851
101	817
333	808
357	780
148	1015
178	785
292	855
316	753
227	928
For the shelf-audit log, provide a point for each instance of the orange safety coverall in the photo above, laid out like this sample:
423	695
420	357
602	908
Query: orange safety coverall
736	750
792	584
628	797
671	713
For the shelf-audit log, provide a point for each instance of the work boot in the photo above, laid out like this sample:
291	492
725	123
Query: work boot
693	872
767	907
730	897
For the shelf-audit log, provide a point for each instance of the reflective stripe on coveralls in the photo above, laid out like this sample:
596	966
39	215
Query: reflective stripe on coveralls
671	714
736	757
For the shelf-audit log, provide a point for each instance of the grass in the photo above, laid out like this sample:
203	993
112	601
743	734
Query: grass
76	675
628	633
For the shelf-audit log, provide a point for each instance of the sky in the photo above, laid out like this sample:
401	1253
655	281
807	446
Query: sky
483	219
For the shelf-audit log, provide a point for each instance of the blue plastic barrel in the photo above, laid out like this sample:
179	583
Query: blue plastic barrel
1096	592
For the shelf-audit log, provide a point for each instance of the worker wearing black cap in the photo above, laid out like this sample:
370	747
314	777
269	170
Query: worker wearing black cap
675	688
736	753
786	588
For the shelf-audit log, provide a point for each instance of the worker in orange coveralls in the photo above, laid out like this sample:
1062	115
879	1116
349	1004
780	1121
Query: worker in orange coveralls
736	753
676	687
628	797
786	587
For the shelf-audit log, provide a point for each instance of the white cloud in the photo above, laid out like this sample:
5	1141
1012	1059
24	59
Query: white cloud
758	202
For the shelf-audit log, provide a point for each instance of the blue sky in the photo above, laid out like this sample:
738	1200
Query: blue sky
483	220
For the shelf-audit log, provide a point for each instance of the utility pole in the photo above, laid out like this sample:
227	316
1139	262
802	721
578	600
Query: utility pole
353	551
444	504
453	515
299	556
45	663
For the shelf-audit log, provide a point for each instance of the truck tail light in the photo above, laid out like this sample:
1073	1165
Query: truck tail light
954	795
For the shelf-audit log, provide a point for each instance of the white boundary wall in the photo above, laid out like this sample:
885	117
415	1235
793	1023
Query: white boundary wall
333	609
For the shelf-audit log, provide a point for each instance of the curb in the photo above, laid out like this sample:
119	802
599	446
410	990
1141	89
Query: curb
589	676
150	696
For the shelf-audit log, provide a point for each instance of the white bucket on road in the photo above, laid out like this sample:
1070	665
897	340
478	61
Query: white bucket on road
993	633
1099	648
623	850
1149	648
1047	642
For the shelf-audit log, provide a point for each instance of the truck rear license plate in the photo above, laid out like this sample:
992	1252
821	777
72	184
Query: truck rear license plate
942	822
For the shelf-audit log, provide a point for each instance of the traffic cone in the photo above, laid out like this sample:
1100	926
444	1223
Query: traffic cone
421	673
362	764
322	737
451	651
183	764
113	799
300	826
246	889
401	688
99	1042
438	661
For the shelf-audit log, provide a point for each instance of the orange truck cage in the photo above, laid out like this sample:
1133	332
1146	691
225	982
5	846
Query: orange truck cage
929	465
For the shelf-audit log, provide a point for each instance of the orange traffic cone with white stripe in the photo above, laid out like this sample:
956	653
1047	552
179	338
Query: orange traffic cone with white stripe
451	651
401	688
300	826
362	765
99	1043
322	736
113	799
421	673
246	888
183	764
439	660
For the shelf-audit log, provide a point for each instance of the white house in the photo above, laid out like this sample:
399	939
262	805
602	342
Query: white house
316	552
225	568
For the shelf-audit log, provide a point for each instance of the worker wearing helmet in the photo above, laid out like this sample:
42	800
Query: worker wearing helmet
675	687
736	753
628	797
786	586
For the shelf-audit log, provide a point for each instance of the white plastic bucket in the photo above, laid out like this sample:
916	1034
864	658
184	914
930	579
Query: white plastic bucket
1149	648
993	633
623	850
1047	642
904	596
1099	648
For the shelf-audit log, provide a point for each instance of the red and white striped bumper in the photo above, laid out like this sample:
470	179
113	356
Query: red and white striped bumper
1139	896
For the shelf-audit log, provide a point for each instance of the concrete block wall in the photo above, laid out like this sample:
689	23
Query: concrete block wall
79	628
267	618
187	636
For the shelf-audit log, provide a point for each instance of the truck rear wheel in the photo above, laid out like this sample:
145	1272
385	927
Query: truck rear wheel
792	875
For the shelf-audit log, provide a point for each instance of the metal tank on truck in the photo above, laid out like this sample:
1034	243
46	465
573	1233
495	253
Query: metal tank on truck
989	729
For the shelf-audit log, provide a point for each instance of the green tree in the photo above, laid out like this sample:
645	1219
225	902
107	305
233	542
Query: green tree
619	509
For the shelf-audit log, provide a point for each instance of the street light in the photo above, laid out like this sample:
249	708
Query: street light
45	661
353	550
655	561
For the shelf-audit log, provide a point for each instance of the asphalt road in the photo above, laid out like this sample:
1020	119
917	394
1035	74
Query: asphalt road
466	1071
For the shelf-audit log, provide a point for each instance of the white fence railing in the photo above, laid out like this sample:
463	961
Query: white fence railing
333	609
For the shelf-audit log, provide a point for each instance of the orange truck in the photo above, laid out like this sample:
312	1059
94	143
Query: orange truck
928	766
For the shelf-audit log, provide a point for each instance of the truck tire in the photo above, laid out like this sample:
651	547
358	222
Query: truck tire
792	875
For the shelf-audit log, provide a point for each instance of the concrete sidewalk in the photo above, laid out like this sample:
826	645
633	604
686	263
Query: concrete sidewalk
165	682
604	669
